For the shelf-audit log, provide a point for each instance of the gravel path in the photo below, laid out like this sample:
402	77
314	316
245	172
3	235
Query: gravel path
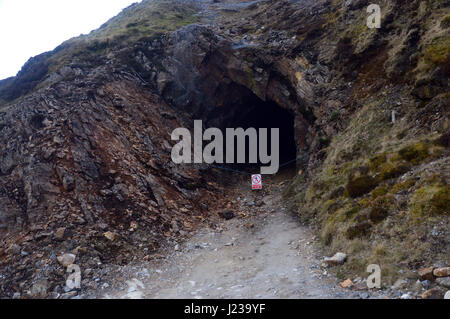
261	253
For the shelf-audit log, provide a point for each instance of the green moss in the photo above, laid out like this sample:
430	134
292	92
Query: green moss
380	191
441	200
415	153
445	23
378	214
361	185
350	213
343	215
331	18
376	161
438	52
331	206
336	115
386	201
363	203
402	186
380	251
148	19
390	170
359	230
431	200
357	29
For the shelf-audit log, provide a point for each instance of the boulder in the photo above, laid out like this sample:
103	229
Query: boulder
443	281
337	259
426	274
435	293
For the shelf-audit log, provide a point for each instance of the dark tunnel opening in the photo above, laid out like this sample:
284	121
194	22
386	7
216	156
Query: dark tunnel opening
252	112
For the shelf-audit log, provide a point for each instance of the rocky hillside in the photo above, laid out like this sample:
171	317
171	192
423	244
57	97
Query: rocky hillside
85	132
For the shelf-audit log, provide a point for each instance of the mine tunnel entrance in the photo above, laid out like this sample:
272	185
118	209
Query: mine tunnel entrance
252	112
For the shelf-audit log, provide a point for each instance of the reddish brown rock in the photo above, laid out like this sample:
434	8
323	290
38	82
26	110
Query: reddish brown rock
435	293
426	274
442	272
346	284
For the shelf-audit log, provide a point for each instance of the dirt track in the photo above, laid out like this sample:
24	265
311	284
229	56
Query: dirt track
266	254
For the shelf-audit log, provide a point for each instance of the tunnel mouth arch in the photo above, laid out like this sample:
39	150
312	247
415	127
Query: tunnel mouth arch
250	111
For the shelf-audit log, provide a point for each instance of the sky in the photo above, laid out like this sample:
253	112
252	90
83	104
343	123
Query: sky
31	27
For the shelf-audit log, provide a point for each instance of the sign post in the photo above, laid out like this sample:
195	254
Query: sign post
256	182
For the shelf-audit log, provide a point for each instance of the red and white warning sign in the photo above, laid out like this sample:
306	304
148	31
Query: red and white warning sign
256	181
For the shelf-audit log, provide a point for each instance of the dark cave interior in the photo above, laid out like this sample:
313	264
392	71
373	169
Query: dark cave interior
252	112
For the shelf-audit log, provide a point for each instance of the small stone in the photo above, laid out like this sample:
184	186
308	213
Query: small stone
67	289
406	296
59	234
435	293
346	284
68	183
227	215
426	284
426	274
360	286
447	295
337	259
110	236
400	284
364	295
443	281
69	295
57	140
134	225
442	272
66	260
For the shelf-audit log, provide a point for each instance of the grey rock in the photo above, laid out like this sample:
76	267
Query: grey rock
443	281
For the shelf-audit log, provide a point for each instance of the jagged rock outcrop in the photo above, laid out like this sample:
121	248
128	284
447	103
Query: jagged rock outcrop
90	154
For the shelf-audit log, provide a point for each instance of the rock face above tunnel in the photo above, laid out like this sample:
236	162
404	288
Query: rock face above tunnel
213	79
